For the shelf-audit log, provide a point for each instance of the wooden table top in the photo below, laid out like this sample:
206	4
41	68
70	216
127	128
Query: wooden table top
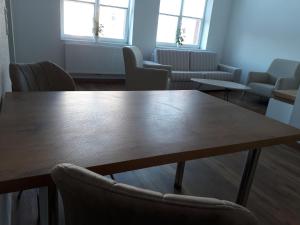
223	84
111	132
286	95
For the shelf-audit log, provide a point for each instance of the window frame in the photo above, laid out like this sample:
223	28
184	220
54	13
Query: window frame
179	23
97	4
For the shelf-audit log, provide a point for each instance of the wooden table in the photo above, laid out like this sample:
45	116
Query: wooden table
227	85
112	132
288	96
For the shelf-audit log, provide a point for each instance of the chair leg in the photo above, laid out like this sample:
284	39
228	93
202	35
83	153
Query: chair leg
179	175
19	195
39	209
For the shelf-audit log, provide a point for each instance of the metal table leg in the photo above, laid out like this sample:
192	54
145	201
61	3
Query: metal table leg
248	176
226	94
179	175
52	205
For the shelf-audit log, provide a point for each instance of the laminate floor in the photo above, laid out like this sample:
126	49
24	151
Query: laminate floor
275	196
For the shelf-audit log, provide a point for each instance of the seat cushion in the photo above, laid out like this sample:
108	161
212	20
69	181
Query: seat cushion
178	59
203	61
219	75
186	75
262	89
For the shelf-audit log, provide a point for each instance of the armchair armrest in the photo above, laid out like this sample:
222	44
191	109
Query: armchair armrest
154	65
237	72
286	83
258	77
150	79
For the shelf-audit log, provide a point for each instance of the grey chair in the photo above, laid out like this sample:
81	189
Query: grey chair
282	75
144	75
42	76
92	199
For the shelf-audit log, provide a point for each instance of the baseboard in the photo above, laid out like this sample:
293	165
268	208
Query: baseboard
101	78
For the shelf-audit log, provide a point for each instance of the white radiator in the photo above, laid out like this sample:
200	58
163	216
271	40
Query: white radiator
94	59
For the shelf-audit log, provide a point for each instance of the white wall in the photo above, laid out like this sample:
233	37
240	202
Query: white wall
145	25
261	30
37	32
218	25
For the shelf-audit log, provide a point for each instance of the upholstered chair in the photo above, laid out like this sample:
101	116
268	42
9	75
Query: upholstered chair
144	75
282	75
92	199
42	76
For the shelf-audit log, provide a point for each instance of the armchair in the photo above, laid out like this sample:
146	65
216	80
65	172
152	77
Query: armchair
282	75
237	72
144	75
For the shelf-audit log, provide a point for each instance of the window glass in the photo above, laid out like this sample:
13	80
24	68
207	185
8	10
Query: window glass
170	7
78	18
180	22
194	8
190	30
113	21
167	29
101	19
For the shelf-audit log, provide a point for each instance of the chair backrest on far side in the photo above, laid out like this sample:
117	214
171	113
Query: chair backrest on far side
284	68
92	199
42	76
133	58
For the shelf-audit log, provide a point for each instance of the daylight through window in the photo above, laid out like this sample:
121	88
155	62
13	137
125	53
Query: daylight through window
180	22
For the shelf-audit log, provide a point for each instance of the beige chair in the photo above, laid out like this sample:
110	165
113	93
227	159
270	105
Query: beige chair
42	76
282	75
144	75
92	199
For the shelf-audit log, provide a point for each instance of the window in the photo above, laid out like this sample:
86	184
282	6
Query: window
106	20
180	22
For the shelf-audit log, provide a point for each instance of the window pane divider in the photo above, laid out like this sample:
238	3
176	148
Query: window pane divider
191	17
93	3
112	6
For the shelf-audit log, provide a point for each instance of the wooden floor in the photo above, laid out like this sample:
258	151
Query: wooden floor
275	197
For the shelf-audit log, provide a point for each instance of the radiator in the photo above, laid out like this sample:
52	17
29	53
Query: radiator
93	59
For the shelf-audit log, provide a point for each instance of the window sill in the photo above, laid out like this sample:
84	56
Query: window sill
92	41
186	47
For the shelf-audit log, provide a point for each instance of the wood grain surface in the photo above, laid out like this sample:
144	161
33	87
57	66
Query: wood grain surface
112	132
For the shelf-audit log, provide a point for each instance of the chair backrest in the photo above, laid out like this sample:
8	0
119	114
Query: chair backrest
178	59
284	68
42	76
92	199
133	58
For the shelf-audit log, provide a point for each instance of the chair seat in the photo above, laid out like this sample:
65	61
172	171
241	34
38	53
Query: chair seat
262	89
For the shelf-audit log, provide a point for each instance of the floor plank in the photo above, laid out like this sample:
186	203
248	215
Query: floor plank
275	197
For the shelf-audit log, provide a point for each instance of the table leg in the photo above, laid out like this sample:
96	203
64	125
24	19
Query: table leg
248	176
43	198
226	94
52	205
179	175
